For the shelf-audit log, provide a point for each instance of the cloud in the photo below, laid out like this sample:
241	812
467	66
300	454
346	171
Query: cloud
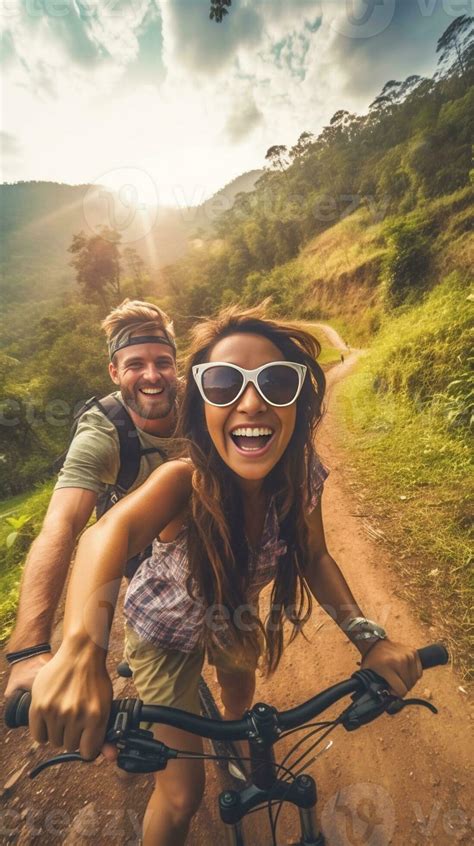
10	147
148	67
243	119
194	43
384	39
78	44
154	85
7	49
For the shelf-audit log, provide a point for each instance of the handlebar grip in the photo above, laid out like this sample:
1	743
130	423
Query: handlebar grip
434	655
17	708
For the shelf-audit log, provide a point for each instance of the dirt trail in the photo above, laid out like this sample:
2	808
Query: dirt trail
402	780
333	337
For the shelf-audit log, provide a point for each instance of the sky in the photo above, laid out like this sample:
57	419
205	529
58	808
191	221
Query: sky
152	98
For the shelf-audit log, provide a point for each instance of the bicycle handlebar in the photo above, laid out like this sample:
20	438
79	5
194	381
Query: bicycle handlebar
17	708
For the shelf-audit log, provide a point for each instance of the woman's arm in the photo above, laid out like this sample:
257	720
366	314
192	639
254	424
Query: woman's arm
71	695
399	665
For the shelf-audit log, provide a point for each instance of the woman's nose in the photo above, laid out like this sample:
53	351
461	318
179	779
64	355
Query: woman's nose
251	402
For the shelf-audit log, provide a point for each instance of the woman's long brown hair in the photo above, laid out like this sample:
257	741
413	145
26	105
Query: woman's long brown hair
219	557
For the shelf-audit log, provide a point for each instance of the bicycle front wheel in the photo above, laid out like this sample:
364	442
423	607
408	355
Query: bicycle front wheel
222	749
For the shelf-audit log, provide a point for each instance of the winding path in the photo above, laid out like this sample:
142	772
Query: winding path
332	335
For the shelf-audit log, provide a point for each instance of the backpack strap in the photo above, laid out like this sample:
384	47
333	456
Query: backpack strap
129	442
86	406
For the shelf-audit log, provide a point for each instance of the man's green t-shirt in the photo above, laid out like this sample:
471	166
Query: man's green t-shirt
93	458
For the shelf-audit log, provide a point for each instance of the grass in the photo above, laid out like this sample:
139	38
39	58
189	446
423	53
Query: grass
34	506
329	355
340	269
348	245
13	504
414	466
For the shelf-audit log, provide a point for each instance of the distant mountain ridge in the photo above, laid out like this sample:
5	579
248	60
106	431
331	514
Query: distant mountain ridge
224	199
40	218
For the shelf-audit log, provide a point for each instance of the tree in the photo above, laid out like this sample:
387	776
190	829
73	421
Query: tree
218	10
96	259
302	146
456	48
277	157
136	268
394	92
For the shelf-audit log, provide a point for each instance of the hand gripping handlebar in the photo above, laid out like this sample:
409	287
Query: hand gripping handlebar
17	708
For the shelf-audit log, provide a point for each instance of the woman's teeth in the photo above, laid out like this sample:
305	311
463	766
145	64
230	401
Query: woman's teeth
251	438
248	432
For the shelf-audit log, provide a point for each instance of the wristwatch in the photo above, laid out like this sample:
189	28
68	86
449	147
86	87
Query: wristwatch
360	628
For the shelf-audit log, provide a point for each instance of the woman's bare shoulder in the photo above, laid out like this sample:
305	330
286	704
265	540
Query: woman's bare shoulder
174	470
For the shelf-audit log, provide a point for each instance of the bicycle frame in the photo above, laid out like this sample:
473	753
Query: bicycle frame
265	786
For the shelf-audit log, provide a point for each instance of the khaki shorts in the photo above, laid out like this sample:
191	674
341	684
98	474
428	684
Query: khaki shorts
169	677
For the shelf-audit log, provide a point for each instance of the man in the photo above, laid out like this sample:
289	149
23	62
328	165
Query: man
143	365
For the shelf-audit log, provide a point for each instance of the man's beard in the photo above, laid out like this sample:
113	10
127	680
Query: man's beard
156	410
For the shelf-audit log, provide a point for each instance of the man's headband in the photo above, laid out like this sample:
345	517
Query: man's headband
117	344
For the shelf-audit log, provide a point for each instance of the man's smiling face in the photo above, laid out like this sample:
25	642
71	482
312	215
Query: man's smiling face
147	378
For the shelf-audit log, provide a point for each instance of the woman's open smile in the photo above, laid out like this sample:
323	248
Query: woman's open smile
252	441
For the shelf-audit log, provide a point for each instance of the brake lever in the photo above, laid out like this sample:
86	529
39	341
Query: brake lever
64	758
375	700
140	752
398	705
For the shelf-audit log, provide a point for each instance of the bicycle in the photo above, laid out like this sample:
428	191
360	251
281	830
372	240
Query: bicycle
271	783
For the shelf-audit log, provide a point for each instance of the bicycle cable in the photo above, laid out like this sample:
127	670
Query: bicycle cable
319	727
272	824
189	756
308	751
307	726
319	740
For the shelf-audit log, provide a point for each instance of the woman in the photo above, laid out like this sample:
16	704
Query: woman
241	510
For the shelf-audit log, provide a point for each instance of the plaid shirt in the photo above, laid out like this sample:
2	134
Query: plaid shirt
157	604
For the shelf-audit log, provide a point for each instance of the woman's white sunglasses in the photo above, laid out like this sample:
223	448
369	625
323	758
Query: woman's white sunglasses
279	382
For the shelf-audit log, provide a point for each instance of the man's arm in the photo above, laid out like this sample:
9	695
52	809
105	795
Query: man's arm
71	695
44	576
92	461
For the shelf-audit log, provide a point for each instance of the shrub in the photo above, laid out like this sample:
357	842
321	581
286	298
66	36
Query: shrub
406	262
